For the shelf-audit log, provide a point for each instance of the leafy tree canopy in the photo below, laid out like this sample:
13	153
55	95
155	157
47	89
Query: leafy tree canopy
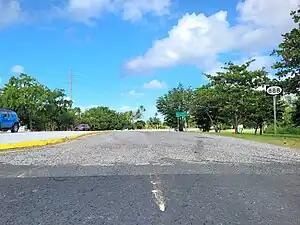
289	57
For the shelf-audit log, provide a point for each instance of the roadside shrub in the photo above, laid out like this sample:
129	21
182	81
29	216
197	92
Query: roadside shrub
163	127
283	130
140	124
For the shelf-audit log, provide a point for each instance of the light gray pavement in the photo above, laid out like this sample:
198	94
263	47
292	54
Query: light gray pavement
8	138
151	178
142	148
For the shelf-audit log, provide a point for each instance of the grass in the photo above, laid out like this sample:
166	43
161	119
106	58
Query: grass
292	141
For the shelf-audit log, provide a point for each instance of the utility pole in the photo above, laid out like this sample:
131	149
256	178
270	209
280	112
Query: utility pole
71	85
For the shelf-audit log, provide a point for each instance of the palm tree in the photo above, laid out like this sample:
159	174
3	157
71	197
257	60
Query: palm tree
142	108
139	112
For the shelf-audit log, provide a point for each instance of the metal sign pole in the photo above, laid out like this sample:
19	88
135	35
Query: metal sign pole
181	117
274	91
275	119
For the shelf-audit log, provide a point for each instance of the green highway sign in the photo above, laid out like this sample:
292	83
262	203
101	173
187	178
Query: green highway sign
181	114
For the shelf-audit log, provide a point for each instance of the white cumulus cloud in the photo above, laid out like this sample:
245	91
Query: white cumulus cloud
132	93
135	93
10	11
261	61
88	10
85	11
134	9
154	84
264	13
17	69
198	39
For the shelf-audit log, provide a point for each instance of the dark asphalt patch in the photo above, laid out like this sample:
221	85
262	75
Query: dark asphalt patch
127	199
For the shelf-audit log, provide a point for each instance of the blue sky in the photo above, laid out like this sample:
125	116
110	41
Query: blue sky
124	53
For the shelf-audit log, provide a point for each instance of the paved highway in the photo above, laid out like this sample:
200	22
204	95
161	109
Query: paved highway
151	178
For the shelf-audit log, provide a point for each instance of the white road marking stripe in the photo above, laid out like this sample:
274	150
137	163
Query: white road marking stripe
158	193
157	186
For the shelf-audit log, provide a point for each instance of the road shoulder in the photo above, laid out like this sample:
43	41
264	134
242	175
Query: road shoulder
39	143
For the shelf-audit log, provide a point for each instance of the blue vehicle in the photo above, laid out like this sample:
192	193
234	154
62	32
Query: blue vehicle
9	120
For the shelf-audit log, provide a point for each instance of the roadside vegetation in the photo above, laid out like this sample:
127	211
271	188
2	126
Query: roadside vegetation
40	108
236	95
288	140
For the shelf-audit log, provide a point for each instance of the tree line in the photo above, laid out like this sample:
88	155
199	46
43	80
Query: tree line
40	108
236	95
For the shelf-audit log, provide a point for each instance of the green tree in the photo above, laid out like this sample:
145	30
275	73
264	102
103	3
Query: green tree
261	111
177	99
208	107
65	120
289	54
77	114
296	113
44	109
124	120
100	118
25	95
288	66
139	113
129	118
235	87
104	118
154	122
58	109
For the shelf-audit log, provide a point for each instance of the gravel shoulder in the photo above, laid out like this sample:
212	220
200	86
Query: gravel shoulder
143	148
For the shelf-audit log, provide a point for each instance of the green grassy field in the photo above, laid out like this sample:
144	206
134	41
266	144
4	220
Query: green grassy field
292	141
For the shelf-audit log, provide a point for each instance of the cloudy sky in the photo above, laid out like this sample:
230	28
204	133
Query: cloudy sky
124	53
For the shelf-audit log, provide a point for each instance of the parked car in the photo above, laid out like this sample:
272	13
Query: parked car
9	120
82	127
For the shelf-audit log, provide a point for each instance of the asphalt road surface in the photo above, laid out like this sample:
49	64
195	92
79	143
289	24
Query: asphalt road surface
151	178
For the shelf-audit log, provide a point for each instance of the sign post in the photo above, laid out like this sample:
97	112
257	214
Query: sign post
180	116
275	119
274	91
